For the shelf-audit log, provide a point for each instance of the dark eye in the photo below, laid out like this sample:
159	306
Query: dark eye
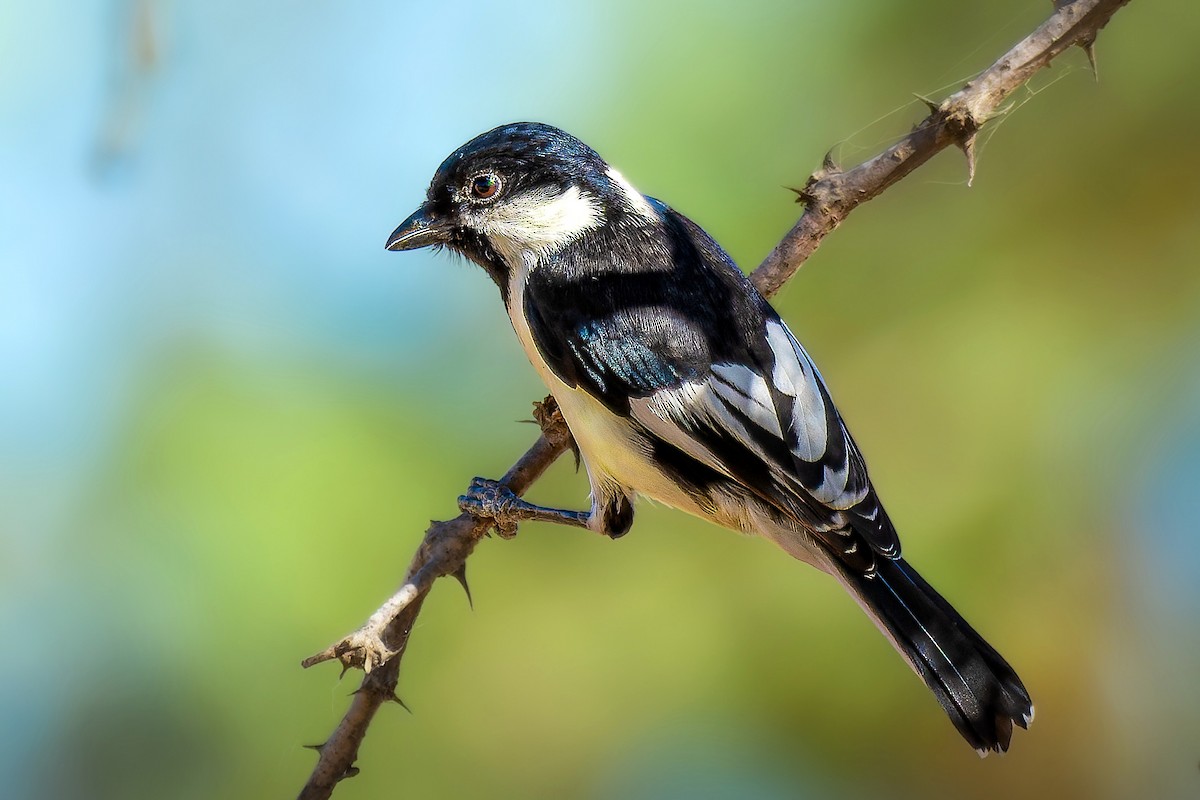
485	187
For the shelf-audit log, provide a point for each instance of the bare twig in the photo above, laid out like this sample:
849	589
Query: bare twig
829	195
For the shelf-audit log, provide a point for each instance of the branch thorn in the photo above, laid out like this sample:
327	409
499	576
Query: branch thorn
829	164
1088	45
460	575
803	195
934	107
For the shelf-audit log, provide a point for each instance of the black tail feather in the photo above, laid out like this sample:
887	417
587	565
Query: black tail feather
978	689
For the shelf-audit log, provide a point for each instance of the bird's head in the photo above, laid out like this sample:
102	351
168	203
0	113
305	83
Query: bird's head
518	192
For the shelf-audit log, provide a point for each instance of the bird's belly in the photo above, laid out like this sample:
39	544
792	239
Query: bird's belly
614	451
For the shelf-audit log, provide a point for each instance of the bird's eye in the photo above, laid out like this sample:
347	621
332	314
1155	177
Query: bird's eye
485	187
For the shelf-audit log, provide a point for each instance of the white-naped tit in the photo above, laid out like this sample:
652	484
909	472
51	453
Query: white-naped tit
680	382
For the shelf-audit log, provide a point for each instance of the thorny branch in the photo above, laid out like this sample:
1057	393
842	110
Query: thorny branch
829	195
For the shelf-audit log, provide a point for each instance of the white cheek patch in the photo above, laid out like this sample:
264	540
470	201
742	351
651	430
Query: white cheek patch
636	200
540	222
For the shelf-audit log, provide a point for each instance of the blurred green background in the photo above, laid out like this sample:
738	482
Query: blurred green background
227	415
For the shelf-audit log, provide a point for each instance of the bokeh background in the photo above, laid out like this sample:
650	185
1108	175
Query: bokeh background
227	415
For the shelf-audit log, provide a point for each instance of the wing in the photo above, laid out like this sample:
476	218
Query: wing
688	349
770	424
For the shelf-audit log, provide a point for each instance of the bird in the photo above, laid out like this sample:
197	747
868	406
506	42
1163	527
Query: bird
679	382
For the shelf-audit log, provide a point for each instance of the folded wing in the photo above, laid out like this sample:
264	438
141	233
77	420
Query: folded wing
701	362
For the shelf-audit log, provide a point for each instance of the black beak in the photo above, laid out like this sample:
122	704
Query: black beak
422	229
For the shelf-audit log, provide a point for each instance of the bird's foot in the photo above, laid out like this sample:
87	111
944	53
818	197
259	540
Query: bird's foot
495	502
492	500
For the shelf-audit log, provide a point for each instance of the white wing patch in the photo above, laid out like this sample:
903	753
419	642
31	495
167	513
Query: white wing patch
734	396
746	390
809	419
796	376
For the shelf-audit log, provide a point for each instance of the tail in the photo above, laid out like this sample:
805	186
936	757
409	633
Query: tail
978	689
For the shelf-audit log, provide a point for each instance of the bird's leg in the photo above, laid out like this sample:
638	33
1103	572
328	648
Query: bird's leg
495	501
